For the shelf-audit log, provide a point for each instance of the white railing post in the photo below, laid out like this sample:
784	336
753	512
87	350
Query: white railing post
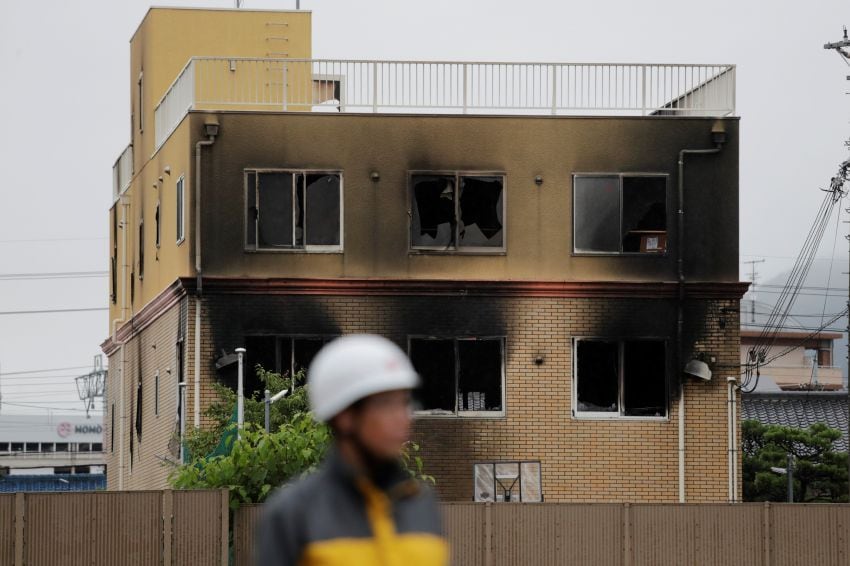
643	90
374	86
554	90
464	87
283	87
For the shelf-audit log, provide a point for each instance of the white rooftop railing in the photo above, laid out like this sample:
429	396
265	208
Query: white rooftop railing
446	87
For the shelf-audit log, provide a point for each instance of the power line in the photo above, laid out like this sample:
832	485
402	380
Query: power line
36	240
51	311
27	405
56	275
5	373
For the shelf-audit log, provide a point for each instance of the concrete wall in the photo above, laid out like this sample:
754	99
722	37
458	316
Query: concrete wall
538	220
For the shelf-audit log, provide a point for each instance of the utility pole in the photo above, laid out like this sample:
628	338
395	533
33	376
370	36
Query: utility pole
753	278
843	49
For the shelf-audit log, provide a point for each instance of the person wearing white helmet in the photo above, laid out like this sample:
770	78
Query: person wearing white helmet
361	507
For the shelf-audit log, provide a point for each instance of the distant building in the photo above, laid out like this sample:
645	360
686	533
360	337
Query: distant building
513	226
48	445
807	363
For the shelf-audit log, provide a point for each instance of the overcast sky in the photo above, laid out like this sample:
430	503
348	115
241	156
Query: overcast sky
64	104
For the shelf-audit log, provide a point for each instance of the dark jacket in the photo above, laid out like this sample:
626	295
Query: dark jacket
336	517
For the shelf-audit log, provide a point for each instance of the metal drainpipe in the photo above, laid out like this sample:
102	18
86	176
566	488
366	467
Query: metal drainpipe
123	318
199	276
719	138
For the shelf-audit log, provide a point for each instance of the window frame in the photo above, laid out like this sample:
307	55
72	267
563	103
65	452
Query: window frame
278	354
620	176
257	171
456	249
619	415
180	205
457	414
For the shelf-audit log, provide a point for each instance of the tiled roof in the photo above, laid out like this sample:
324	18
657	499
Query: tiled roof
799	409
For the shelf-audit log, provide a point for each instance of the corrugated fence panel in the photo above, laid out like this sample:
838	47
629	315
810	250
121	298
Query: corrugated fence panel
556	534
697	534
244	523
93	529
661	535
810	534
464	524
7	528
196	524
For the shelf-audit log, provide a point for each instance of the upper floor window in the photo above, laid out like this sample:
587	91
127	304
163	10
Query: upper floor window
141	95
620	378
460	376
290	356
293	210
614	214
457	211
180	211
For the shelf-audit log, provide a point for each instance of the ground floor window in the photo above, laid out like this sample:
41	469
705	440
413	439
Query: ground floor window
625	378
460	376
289	356
507	482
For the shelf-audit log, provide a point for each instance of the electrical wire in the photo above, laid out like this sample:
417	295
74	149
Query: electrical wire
31	371
27	405
54	275
53	311
828	281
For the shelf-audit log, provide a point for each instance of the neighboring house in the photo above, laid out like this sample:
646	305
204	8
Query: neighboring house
51	452
512	226
806	363
798	409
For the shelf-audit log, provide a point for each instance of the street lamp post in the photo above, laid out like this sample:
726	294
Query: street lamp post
240	391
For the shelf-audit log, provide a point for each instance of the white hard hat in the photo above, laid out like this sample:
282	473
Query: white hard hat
353	367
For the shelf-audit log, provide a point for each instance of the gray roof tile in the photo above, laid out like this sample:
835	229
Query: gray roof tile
799	410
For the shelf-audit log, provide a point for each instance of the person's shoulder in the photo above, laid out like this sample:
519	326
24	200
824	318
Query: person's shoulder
293	497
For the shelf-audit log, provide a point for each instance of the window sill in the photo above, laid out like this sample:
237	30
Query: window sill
293	251
603	417
621	254
443	251
486	415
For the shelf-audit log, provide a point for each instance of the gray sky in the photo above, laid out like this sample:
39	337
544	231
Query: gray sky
64	102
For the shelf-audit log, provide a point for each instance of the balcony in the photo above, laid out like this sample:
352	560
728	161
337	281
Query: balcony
122	172
313	85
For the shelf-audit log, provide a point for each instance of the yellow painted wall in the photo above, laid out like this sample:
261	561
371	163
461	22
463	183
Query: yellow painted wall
161	46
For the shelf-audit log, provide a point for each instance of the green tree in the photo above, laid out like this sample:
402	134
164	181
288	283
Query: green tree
820	473
255	463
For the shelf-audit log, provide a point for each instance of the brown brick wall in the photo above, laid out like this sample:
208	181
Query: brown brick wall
582	460
152	350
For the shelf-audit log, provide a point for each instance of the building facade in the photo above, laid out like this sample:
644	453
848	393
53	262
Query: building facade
520	241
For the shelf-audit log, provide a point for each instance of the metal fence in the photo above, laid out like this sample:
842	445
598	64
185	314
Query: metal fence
191	527
750	534
137	528
446	87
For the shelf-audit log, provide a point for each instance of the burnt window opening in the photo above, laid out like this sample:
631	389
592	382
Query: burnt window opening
620	214
459	375
626	378
158	229
290	356
179	209
293	210
457	212
113	260
142	248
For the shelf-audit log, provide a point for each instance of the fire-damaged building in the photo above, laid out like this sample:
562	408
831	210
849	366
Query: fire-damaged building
554	244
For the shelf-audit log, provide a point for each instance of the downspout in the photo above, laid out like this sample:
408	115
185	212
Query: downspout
211	130
719	138
733	438
123	318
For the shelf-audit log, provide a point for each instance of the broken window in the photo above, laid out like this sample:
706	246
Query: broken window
456	211
620	213
296	210
621	378
286	355
157	231
508	482
459	376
